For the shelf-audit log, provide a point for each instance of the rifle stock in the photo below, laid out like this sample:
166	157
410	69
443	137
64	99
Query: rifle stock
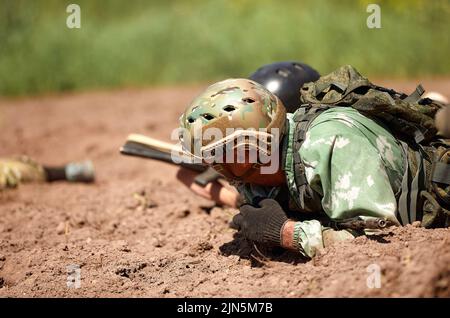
146	147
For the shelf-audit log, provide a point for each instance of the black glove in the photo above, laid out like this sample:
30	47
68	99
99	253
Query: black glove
261	224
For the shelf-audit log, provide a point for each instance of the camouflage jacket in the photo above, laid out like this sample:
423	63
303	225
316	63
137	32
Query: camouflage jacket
352	162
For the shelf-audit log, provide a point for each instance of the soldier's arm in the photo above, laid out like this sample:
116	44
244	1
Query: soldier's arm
14	171
353	172
356	168
214	191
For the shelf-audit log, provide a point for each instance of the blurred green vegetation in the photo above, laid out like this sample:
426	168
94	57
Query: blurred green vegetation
137	42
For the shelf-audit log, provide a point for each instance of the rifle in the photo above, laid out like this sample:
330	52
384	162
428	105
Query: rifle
150	148
359	224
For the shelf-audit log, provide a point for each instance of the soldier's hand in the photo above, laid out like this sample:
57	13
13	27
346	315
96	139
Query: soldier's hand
212	191
9	178
17	170
261	224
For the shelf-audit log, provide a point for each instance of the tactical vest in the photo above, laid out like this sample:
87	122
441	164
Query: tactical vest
425	190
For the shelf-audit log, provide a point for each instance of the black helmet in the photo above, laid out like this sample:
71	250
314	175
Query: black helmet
285	79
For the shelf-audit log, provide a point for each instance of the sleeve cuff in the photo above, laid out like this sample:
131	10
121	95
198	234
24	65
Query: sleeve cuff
308	237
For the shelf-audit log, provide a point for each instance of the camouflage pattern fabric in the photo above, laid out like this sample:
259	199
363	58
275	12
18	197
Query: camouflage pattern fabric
356	166
232	103
408	115
240	94
17	170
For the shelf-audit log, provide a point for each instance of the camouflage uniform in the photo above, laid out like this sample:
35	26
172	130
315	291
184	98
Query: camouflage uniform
356	167
352	162
345	165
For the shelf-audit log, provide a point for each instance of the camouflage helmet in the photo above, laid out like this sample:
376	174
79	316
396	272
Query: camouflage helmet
285	79
239	104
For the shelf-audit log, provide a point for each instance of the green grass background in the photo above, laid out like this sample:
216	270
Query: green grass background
137	42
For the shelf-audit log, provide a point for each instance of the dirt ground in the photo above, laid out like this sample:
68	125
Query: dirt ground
138	232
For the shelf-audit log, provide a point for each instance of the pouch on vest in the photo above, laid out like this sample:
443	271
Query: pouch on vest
410	118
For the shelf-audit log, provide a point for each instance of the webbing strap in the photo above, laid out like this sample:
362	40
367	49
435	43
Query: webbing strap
229	176
284	141
419	136
416	187
415	96
390	91
303	118
403	199
441	173
410	196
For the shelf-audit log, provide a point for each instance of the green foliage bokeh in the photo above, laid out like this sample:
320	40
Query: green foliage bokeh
137	42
